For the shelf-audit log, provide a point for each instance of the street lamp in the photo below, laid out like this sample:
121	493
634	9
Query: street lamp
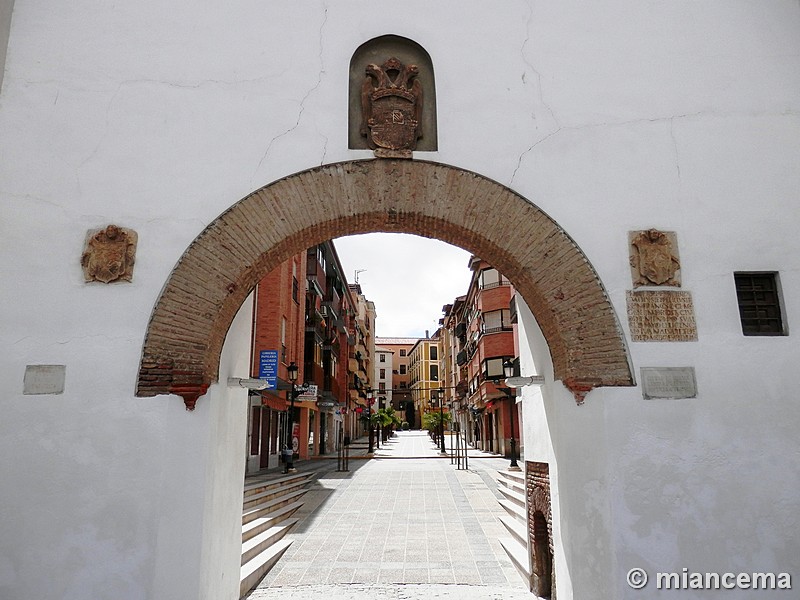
439	395
371	449
288	467
508	370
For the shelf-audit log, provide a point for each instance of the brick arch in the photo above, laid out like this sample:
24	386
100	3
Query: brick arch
223	264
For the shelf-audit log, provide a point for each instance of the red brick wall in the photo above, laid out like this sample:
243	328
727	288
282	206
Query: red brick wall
223	264
274	302
537	484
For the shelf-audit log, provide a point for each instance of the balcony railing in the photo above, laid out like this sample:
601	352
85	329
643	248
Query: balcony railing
487	330
496	284
461	357
331	384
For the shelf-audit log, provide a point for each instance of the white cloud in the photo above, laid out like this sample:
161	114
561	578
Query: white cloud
409	278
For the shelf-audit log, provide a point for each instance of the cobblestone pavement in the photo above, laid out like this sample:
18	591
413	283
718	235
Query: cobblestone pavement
406	524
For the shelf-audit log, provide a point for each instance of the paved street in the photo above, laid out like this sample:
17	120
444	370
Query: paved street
406	524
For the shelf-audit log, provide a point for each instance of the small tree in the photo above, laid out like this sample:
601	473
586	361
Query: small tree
386	419
432	421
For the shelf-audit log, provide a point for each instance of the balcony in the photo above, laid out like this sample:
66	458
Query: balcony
332	388
495	284
312	373
329	312
488	330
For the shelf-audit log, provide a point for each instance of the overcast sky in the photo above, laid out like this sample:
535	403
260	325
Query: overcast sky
409	278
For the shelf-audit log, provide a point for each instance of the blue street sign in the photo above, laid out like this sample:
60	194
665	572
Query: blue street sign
268	368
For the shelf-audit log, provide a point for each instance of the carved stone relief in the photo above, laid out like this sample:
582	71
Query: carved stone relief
654	258
109	254
366	63
391	108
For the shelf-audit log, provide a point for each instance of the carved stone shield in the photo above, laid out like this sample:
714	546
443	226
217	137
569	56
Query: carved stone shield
392	123
109	255
391	99
654	260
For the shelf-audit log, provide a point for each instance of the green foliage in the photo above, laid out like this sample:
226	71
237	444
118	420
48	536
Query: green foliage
432	420
385	417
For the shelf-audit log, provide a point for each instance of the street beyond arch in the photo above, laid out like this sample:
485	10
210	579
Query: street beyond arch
406	524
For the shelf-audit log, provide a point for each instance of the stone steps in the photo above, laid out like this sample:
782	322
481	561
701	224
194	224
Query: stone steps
260	496
254	570
257	525
267	509
263	509
511	485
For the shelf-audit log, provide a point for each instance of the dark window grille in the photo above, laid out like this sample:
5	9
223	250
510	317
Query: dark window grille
759	303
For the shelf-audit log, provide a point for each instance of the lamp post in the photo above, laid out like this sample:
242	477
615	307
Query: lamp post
508	369
293	371
371	448
439	396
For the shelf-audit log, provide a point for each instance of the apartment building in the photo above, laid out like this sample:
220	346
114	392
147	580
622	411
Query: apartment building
453	375
362	348
481	336
306	313
330	308
424	373
278	335
383	376
401	390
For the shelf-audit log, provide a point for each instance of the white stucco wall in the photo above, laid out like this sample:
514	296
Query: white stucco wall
611	116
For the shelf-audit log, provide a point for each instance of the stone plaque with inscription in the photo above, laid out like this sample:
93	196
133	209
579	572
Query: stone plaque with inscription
668	382
44	379
661	316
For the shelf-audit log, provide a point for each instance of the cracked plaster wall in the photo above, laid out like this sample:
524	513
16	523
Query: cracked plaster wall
683	116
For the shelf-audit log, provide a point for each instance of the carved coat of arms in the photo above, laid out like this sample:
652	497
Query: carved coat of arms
109	255
654	259
391	107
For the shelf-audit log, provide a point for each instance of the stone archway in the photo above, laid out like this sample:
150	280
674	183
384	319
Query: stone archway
223	264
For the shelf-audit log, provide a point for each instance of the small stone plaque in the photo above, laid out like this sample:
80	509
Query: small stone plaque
44	379
668	382
661	316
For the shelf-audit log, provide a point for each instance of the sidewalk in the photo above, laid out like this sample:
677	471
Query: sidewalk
400	519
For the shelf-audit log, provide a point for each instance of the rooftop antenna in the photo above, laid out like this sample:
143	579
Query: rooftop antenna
357	272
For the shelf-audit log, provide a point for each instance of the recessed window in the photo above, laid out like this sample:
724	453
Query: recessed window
493	367
758	296
402	352
496	320
491	278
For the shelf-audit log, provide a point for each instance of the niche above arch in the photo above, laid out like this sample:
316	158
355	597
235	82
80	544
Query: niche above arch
377	51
